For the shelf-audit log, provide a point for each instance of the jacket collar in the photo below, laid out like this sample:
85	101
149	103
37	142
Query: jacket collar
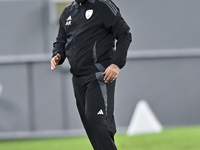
91	1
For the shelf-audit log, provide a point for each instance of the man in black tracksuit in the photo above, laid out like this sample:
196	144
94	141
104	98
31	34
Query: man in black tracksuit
87	33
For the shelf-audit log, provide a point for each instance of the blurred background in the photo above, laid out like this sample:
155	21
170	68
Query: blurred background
163	67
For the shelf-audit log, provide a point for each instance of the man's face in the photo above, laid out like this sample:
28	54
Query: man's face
79	1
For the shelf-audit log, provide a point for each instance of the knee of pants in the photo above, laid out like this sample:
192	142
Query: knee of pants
95	118
89	116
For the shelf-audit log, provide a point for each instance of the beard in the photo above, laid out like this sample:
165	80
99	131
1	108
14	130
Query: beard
79	1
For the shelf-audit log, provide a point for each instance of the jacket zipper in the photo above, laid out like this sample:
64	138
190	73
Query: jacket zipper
79	7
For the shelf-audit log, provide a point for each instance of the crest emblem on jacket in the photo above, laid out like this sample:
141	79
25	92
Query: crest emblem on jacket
88	13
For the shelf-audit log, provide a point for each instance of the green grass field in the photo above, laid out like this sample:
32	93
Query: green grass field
185	138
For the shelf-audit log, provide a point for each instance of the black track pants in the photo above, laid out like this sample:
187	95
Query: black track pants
95	103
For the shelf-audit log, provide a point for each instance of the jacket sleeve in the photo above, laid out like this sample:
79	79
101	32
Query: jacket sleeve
123	37
115	24
59	45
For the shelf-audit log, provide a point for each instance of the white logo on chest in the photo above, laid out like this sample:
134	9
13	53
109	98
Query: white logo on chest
68	21
88	13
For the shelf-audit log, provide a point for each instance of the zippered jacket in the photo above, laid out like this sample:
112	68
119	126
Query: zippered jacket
87	34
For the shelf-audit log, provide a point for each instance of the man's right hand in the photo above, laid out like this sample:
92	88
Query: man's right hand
55	61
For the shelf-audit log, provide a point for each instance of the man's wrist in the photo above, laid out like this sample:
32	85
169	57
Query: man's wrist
115	65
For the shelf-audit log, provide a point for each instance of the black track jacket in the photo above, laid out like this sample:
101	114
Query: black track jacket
87	34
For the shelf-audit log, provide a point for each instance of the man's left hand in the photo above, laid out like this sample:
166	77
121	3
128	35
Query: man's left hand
111	73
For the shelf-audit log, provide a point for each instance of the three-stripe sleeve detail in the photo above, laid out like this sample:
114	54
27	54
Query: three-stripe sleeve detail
112	7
